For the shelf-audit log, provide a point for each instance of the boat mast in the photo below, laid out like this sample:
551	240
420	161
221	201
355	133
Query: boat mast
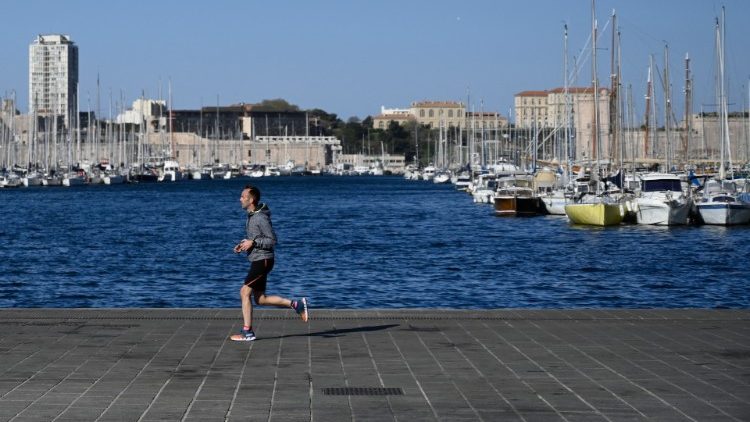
647	123
171	133
595	83
722	128
654	110
566	101
725	106
620	111
688	107
667	110
616	101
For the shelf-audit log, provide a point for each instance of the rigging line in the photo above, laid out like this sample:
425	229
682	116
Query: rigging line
585	51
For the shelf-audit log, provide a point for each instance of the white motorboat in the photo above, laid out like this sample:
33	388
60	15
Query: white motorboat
662	201
483	189
442	177
461	180
428	173
170	171
11	180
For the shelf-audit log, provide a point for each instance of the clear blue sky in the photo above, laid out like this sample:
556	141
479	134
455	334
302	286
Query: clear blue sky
351	57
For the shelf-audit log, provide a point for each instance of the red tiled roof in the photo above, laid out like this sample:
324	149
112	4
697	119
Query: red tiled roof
532	94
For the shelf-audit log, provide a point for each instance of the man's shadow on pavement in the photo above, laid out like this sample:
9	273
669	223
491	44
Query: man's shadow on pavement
337	332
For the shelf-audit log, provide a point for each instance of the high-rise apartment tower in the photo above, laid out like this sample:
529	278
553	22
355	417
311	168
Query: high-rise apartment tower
53	76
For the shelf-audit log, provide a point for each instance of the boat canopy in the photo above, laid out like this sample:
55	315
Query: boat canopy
658	185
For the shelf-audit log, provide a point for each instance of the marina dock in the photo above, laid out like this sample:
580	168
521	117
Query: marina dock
415	365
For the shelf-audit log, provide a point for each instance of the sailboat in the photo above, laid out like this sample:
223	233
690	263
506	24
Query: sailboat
595	210
720	204
558	189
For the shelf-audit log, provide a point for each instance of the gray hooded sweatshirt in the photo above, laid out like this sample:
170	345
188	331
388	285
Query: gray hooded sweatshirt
258	228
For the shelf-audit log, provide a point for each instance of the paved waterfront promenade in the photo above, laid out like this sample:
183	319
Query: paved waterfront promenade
370	365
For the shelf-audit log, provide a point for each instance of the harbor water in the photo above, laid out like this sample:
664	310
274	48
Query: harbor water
348	242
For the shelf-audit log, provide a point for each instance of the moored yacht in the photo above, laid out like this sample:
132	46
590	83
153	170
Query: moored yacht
429	173
170	171
515	196
662	200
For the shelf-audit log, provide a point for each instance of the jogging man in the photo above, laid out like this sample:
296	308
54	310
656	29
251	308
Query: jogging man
259	245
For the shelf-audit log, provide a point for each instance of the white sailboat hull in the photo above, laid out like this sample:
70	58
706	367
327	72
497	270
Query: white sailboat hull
73	181
725	214
113	180
32	181
555	205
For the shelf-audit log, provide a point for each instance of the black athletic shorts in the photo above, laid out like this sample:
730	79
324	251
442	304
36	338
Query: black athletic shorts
256	276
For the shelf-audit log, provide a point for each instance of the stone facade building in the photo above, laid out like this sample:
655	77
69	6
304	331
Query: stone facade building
439	113
546	110
436	114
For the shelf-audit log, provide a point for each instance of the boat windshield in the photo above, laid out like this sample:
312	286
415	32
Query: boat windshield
662	185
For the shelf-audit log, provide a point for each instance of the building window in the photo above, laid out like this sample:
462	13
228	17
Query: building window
450	113
421	113
432	113
249	153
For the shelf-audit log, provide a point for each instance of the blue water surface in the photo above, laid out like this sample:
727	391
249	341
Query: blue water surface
348	242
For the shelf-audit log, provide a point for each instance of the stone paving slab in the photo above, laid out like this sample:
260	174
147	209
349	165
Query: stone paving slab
375	365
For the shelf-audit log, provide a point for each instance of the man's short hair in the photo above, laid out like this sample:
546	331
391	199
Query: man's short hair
253	191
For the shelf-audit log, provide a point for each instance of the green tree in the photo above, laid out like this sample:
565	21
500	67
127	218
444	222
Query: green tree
367	122
322	123
276	104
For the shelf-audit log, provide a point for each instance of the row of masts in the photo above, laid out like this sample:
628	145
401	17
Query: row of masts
450	146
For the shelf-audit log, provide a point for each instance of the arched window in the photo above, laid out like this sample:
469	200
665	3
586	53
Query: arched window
432	113
450	113
421	113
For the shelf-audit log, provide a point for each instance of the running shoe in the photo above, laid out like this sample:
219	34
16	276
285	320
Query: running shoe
300	306
244	335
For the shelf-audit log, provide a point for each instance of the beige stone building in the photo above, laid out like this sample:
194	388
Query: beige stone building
530	108
547	110
439	113
485	120
381	121
314	152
